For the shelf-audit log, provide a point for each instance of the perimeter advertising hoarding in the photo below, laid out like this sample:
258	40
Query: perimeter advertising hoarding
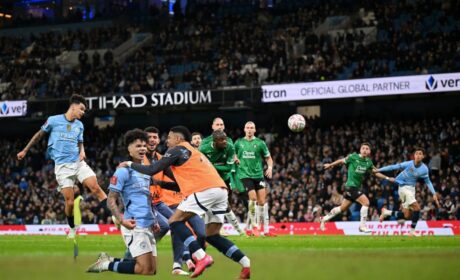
362	87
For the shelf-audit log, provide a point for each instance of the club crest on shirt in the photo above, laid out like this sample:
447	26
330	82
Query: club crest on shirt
69	127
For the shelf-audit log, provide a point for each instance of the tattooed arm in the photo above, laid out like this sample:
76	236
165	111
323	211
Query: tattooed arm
37	136
112	203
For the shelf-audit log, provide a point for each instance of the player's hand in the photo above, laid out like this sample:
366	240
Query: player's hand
269	172
123	164
21	154
327	166
156	228
391	179
237	160
82	155
128	223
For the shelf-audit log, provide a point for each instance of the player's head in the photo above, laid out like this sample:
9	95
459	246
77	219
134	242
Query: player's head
218	124
196	139
136	140
249	129
365	149
220	139
419	154
154	138
178	134
77	106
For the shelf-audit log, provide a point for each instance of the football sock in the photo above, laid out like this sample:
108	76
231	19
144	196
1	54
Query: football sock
125	267
364	213
189	240
334	212
266	218
71	222
227	248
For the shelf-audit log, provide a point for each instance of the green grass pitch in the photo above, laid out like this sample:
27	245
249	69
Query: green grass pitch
283	257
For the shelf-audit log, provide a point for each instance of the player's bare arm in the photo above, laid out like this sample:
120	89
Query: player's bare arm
269	171
112	203
379	175
335	163
82	151
37	136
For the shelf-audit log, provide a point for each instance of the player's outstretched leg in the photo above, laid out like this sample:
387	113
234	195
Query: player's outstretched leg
334	212
228	248
202	259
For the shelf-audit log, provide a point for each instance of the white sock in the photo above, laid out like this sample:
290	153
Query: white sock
105	265
334	212
364	210
199	254
266	218
387	212
252	213
257	216
177	265
231	217
245	262
260	216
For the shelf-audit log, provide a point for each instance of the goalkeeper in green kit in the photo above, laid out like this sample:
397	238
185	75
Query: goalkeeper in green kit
358	166
221	154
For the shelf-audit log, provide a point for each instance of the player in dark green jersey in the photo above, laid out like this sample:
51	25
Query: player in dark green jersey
358	166
222	155
251	152
217	124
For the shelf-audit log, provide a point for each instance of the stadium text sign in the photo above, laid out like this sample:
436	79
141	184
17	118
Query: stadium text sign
157	99
362	87
16	108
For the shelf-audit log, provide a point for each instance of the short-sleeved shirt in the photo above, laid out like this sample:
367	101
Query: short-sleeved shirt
357	169
220	158
251	154
134	188
209	139
64	137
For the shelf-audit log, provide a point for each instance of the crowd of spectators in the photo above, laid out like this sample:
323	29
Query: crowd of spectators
300	191
240	44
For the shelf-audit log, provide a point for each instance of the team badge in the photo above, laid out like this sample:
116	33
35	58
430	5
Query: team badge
69	127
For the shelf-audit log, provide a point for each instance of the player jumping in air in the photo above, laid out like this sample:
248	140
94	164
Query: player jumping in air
412	171
65	146
358	166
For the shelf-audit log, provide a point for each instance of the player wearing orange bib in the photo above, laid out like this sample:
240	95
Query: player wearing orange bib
205	193
165	201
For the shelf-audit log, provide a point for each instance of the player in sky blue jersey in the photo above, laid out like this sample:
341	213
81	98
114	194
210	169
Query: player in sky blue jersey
138	220
65	146
413	170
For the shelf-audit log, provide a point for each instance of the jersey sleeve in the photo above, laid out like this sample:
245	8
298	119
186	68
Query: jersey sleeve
426	178
264	148
48	125
349	158
236	146
398	166
80	135
118	180
230	154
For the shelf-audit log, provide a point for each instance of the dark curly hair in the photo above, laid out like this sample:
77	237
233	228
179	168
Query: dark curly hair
135	134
